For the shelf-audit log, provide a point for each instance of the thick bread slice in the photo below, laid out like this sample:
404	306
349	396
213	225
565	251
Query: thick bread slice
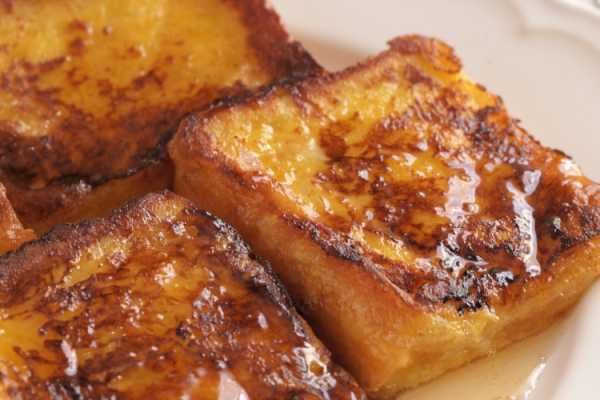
160	301
92	90
416	226
12	233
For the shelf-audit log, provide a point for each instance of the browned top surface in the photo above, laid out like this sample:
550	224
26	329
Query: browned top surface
159	301
404	161
92	90
12	233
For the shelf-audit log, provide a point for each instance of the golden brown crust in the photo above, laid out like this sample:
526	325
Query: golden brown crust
159	301
12	233
282	56
76	200
416	238
119	126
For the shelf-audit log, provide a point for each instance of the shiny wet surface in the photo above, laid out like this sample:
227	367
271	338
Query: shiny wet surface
426	170
162	301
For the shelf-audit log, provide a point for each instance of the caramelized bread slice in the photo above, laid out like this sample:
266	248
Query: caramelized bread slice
416	226
92	90
12	233
160	301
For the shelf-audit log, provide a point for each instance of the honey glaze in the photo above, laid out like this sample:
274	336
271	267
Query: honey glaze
162	299
422	167
510	374
422	227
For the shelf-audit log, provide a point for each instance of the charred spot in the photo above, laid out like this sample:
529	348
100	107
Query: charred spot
63	389
76	46
50	65
78	25
590	219
502	275
150	78
410	280
105	88
416	75
348	175
183	330
393	123
470	304
335	247
484	128
332	140
331	242
470	291
582	223
86	291
552	225
438	54
283	58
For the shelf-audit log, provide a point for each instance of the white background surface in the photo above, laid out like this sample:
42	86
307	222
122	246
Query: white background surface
541	56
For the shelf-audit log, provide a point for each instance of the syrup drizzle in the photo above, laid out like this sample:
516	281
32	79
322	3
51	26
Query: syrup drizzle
525	220
510	374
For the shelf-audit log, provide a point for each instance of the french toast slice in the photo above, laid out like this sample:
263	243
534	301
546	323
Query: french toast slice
12	233
159	301
92	90
415	224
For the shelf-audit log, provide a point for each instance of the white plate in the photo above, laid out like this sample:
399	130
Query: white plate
542	56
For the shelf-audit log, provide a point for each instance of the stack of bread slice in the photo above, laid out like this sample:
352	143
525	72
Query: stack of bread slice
414	224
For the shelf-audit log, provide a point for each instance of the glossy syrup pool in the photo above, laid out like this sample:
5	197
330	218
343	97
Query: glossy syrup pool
510	374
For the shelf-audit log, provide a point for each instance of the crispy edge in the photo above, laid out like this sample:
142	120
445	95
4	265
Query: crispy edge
75	201
12	233
285	58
